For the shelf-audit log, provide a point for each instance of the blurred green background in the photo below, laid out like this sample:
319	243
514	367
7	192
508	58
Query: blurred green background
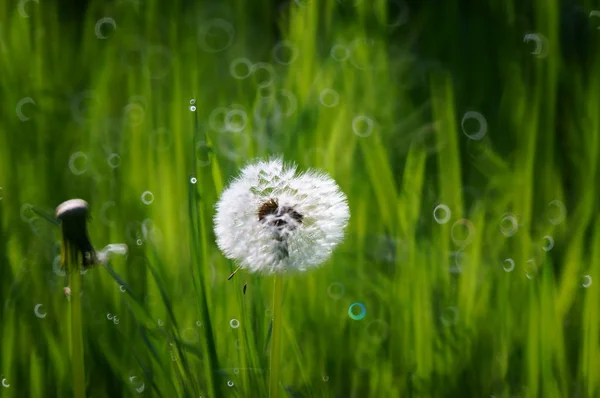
465	134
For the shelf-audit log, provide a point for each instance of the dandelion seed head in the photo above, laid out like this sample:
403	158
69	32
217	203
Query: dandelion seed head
73	216
72	208
272	219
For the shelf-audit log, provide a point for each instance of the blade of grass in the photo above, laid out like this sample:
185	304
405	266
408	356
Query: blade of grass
199	257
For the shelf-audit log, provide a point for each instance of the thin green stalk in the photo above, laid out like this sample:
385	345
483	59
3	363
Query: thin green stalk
77	364
276	338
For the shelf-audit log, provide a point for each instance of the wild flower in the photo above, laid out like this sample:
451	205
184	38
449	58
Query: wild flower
78	254
73	215
272	219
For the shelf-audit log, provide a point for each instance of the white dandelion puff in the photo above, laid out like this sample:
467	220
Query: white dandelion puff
271	219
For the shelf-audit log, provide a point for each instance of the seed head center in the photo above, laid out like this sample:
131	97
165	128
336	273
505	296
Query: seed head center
279	217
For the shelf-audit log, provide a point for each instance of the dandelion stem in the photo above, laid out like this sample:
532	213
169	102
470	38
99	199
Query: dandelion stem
75	283
276	338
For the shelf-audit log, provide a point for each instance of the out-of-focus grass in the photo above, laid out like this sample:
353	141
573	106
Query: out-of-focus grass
471	307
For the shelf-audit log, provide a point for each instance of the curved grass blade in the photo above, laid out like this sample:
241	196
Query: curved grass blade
51	219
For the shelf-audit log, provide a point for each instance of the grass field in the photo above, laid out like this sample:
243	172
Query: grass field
466	137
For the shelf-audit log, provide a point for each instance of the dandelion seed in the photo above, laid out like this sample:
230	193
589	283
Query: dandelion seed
272	219
233	273
114	248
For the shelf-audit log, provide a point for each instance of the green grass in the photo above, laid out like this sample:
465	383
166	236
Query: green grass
72	267
444	318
